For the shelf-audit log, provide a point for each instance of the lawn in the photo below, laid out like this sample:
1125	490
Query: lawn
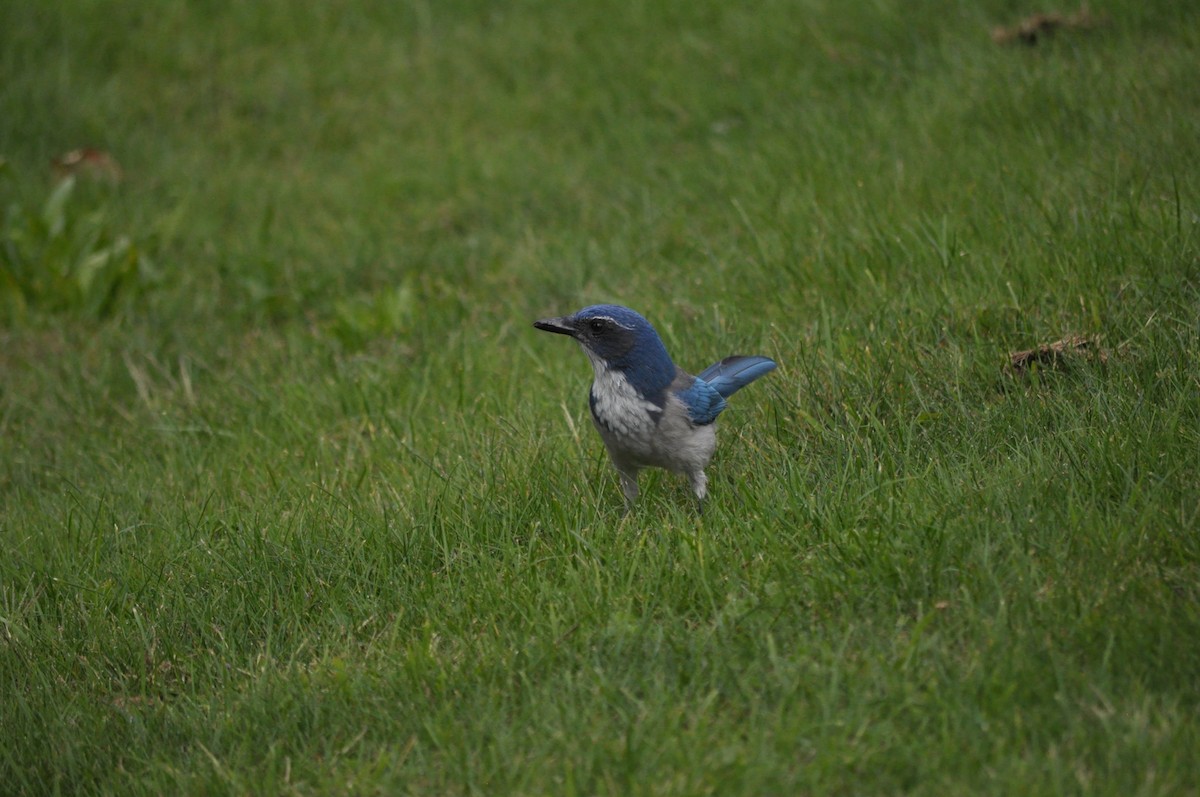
294	499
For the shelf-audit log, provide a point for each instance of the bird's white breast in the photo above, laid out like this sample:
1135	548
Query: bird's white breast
618	406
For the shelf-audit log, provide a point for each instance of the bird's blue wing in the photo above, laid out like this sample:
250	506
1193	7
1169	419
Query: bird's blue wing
702	401
734	373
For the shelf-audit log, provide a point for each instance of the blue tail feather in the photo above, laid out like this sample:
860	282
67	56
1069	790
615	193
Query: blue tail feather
734	373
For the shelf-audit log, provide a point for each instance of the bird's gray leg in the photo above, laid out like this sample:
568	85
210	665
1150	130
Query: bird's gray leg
699	487
628	485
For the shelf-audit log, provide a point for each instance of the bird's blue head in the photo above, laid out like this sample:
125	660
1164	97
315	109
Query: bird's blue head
617	338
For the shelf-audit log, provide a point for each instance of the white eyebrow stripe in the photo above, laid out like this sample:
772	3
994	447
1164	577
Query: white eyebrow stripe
611	320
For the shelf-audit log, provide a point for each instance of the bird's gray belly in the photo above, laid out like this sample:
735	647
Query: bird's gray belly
667	439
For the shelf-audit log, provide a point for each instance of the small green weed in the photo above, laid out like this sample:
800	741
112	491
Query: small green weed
60	257
358	319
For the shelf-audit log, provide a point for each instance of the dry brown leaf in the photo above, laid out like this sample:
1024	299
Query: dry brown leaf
1055	355
1028	30
87	162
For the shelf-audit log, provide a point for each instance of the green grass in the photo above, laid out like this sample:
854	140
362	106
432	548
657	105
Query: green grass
315	510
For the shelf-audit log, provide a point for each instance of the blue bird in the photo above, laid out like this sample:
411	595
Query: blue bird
650	412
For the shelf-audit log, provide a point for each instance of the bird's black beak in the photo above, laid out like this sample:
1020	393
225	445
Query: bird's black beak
562	326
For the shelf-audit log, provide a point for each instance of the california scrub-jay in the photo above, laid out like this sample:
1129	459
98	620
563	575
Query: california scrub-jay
650	412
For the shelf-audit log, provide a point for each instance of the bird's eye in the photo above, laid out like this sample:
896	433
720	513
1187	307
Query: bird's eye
596	325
